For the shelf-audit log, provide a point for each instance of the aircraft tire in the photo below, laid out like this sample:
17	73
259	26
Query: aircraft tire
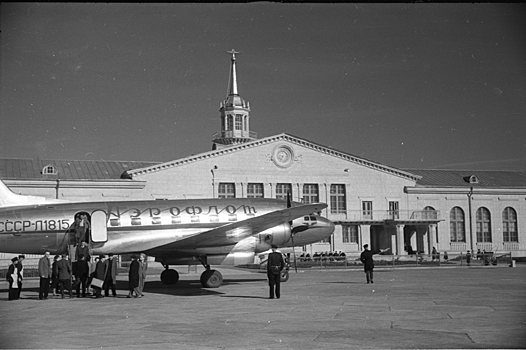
169	276
211	279
284	276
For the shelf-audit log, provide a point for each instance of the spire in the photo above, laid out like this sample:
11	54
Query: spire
235	118
232	88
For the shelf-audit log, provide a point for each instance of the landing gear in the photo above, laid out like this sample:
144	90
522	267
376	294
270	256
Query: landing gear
284	276
210	278
169	276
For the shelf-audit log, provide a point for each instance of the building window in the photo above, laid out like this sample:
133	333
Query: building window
239	121
49	170
456	225
394	210
483	219
338	201
230	122
282	190
429	213
310	193
367	210
350	234
255	191
227	190
509	225
245	120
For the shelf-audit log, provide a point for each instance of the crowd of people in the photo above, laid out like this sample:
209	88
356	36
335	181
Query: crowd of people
323	256
79	277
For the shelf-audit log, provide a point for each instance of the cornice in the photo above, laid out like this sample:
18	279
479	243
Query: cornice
464	190
92	184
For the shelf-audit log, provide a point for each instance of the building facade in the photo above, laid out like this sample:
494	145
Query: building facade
403	209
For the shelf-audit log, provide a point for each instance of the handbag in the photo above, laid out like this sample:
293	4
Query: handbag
95	282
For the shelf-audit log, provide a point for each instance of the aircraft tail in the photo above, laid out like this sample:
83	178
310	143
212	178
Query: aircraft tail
10	199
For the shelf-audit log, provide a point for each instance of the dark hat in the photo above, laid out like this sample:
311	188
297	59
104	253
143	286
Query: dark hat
14	259
101	256
110	254
64	255
274	246
21	256
365	245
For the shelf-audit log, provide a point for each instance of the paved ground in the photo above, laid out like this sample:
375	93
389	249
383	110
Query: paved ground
477	307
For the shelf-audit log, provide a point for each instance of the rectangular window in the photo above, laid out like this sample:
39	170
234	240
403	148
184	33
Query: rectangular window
282	190
338	201
227	190
310	193
255	190
394	209
367	210
350	234
239	121
230	122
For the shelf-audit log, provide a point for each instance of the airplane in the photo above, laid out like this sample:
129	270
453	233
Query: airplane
229	231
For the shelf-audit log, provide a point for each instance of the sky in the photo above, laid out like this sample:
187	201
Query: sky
423	86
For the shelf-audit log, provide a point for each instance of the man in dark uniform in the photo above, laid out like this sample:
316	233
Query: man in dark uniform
81	275
275	264
368	263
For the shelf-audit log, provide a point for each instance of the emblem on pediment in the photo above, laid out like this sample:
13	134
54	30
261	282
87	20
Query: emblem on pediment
283	156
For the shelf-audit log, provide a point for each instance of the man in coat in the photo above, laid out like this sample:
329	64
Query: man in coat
368	263
110	280
133	278
275	264
99	273
81	275
64	275
45	272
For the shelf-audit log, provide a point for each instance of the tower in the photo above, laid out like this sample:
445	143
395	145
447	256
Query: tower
235	118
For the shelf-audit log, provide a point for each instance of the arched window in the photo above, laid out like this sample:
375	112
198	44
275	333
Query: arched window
509	225
457	232
483	218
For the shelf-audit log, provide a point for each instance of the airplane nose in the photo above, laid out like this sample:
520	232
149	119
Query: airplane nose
315	233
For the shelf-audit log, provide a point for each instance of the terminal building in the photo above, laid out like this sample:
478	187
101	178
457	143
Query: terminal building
406	210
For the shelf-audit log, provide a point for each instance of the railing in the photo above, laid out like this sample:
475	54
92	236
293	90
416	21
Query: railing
510	245
381	215
235	133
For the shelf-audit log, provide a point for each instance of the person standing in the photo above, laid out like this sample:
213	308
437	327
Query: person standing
110	279
368	263
84	227
83	249
45	272
54	274
64	275
275	264
99	273
81	275
133	278
143	267
20	272
468	258
14	279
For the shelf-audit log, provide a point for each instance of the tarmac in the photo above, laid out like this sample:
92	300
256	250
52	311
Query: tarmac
406	308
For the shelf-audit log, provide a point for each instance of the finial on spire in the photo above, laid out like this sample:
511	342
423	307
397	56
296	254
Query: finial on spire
233	52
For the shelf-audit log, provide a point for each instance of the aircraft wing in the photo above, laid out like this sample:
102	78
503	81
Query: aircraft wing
233	233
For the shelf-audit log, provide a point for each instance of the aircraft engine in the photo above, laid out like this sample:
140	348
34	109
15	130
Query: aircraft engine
278	235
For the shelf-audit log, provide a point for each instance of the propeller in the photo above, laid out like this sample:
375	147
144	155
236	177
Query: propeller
292	232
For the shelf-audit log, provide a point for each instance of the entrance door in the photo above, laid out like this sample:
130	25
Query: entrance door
99	232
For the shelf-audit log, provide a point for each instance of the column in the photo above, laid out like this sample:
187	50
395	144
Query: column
400	239
365	235
431	236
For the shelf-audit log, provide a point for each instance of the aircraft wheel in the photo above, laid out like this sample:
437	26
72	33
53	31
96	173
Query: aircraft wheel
169	276
284	276
211	279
